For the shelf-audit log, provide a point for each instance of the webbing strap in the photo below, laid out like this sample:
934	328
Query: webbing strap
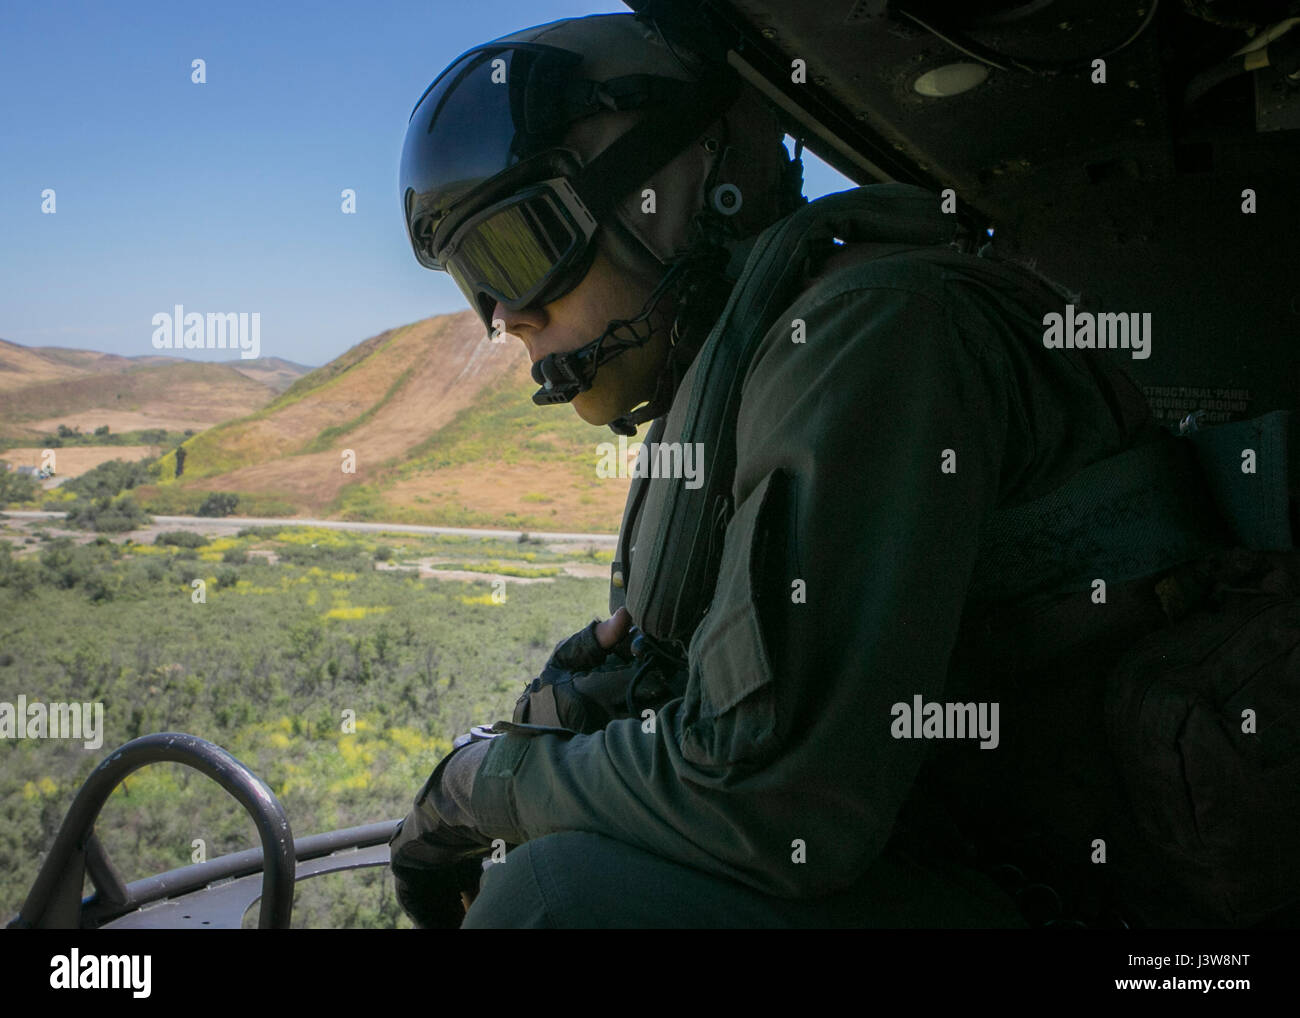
649	146
679	560
1142	511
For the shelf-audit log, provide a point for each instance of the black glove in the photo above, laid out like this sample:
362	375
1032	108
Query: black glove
432	894
434	862
583	686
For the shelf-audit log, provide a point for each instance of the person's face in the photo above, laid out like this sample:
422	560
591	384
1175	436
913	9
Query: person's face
611	289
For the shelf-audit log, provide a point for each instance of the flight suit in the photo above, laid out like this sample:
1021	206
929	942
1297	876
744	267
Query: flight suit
871	447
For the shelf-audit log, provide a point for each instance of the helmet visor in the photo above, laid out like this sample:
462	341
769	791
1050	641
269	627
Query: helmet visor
484	114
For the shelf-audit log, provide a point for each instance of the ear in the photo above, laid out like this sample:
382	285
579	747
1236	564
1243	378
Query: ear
626	253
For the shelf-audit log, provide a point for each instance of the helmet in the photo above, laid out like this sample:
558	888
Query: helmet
523	148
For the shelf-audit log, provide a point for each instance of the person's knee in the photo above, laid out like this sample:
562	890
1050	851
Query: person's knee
509	894
582	880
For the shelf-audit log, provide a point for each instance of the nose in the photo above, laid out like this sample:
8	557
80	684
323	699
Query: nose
505	320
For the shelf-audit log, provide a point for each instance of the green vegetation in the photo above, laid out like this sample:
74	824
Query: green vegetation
111	516
110	479
16	487
265	665
66	437
325	440
169	500
268	531
500	568
219	503
500	427
181	539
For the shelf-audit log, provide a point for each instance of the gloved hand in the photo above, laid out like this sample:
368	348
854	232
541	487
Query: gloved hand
436	852
588	648
585	682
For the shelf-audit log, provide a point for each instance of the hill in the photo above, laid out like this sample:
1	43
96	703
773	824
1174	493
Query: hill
274	372
440	429
43	387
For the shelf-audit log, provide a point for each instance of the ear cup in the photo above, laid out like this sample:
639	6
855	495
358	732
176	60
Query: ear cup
726	199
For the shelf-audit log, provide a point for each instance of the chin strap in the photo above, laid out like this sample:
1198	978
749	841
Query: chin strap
702	294
563	376
696	280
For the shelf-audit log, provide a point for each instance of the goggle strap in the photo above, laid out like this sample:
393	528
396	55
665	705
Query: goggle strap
652	144
632	91
550	110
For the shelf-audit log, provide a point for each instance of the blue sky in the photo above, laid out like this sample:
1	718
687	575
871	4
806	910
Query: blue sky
225	196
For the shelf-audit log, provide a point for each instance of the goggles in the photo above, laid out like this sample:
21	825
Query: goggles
531	248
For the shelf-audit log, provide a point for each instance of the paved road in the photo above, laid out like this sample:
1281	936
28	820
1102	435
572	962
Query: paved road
234	522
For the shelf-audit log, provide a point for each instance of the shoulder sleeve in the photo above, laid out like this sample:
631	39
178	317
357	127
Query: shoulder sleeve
870	446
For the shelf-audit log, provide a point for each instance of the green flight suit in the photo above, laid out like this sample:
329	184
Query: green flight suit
868	457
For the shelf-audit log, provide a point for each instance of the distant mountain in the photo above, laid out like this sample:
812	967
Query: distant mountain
438	423
274	372
28	365
43	387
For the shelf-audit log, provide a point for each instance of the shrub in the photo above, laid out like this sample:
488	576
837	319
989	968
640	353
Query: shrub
384	553
101	586
219	503
234	556
349	558
181	539
270	531
16	574
227	577
16	487
56	500
113	517
67	565
109	479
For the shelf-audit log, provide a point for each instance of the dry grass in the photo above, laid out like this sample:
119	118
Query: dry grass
75	460
499	489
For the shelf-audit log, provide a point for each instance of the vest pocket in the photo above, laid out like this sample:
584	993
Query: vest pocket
730	705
